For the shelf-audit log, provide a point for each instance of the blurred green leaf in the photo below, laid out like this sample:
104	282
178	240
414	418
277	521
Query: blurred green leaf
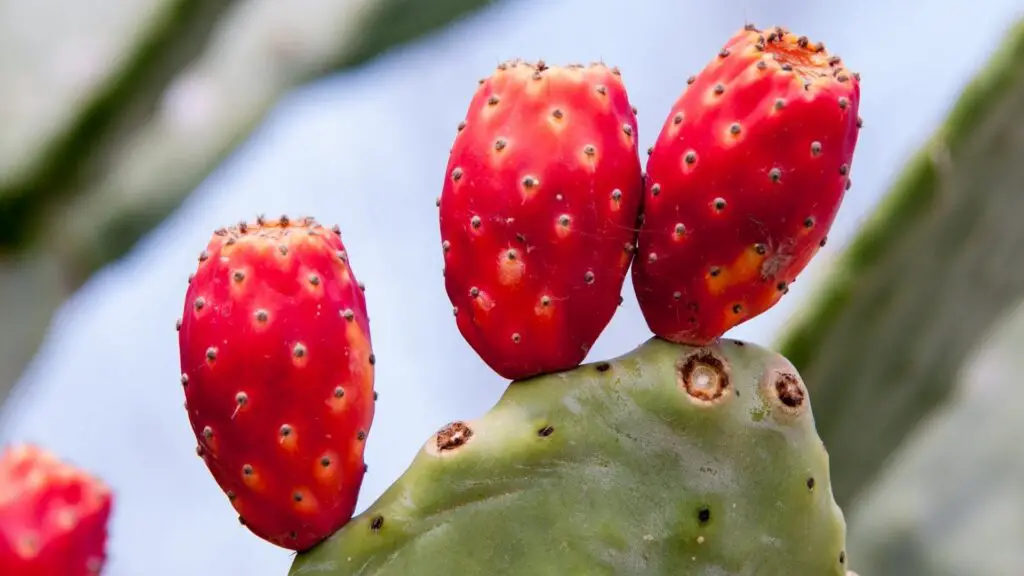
194	83
959	478
77	151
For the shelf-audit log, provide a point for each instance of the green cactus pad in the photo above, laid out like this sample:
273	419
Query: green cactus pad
668	460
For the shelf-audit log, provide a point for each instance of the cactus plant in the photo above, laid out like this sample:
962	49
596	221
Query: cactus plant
672	458
669	459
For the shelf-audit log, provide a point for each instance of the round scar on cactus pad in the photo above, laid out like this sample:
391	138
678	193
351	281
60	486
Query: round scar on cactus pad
668	460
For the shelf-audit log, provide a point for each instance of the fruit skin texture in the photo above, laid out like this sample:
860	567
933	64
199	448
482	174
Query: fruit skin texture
647	464
277	370
744	182
538	214
53	516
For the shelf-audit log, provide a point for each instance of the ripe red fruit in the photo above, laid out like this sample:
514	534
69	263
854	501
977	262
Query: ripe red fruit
743	183
538	214
53	516
277	367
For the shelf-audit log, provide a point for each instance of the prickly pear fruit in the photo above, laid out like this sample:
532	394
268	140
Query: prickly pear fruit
53	516
277	369
743	183
668	460
538	214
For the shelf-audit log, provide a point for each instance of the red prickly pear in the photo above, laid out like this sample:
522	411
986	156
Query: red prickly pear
277	369
53	516
538	214
743	183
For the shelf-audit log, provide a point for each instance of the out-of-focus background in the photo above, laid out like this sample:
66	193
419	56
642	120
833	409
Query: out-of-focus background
130	129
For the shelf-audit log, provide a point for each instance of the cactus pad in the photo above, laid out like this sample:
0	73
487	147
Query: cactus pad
668	460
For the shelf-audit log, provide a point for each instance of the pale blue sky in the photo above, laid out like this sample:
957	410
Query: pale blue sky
367	151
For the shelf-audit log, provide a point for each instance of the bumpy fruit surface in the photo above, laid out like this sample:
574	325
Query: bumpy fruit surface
743	183
668	460
277	369
538	214
53	516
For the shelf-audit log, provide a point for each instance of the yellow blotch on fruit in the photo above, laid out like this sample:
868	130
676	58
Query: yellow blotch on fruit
510	267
